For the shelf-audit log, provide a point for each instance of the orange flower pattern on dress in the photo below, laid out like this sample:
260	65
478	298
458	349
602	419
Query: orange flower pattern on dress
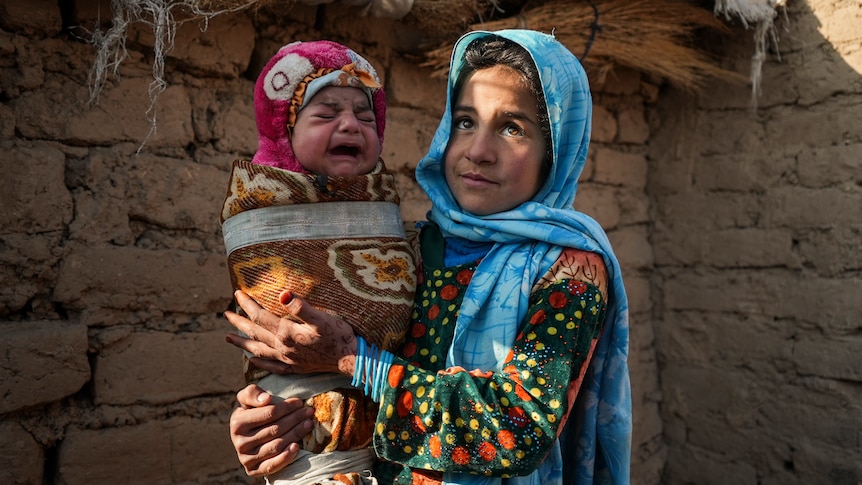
509	419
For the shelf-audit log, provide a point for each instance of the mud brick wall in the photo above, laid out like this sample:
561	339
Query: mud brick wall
114	367
757	242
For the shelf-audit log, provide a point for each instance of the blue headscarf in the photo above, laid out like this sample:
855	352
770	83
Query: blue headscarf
527	240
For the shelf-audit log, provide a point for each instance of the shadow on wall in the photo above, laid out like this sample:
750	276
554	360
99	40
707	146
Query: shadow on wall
757	245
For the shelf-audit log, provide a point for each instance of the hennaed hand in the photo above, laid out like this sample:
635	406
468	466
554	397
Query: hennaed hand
306	340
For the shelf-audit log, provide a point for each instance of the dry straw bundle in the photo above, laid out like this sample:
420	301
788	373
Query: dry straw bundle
650	36
446	19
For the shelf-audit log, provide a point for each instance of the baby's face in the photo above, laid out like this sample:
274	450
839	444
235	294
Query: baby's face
336	133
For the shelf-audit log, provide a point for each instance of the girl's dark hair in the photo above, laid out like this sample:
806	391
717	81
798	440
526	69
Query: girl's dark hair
492	50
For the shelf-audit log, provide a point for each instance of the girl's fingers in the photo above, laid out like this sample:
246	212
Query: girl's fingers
252	396
258	349
257	315
305	340
293	427
275	446
272	366
245	325
279	452
262	325
246	302
266	431
302	311
237	341
267	463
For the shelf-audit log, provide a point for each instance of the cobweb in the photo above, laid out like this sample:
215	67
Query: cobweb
160	16
761	14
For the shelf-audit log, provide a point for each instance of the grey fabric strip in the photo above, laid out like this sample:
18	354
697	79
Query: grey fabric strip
323	220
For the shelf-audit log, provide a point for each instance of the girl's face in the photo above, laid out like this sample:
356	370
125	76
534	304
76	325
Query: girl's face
494	157
336	133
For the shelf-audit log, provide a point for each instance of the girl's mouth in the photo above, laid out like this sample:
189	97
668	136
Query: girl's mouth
474	177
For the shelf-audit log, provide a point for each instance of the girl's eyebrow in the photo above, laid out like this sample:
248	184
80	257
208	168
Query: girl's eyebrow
515	115
519	115
461	107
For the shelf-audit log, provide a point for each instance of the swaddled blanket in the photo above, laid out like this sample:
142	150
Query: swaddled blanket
338	242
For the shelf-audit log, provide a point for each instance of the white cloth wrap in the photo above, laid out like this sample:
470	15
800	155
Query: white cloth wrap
309	468
353	219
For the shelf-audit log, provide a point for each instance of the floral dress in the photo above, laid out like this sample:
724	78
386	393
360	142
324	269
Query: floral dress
502	423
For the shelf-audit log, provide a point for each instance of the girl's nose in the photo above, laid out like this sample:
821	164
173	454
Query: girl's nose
481	149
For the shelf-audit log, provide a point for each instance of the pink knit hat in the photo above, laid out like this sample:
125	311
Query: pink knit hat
291	78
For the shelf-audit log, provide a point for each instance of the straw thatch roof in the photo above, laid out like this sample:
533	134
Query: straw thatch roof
655	37
650	36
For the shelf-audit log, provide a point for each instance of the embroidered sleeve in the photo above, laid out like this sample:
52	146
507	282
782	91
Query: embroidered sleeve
496	423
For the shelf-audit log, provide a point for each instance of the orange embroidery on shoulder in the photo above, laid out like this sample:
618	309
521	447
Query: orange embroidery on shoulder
578	265
557	300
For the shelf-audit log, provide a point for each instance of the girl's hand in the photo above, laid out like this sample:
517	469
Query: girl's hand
306	340
265	432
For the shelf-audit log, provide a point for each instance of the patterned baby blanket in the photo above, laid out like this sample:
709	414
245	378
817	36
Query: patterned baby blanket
338	242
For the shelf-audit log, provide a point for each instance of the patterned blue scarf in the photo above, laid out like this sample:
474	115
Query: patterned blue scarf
527	240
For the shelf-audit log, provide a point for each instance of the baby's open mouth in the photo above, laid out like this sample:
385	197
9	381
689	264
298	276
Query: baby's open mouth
342	150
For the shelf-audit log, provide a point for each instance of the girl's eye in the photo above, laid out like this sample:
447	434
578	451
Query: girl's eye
513	130
463	123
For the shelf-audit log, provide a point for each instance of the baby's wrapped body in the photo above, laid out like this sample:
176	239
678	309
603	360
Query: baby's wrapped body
338	242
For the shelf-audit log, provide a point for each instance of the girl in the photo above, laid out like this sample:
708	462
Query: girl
520	325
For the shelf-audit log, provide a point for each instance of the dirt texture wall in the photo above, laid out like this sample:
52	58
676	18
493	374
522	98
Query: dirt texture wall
757	237
114	367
